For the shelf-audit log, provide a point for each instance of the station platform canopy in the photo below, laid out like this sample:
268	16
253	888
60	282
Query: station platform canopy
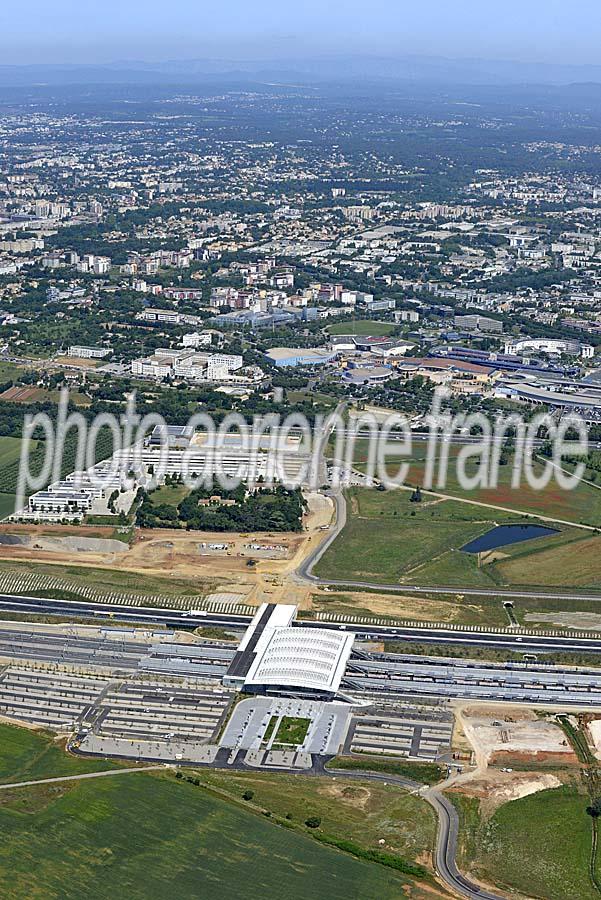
277	654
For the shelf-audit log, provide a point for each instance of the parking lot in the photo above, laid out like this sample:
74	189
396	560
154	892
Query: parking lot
250	720
402	733
52	699
146	710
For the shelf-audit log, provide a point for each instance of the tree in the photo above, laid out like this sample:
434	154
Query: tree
248	795
313	822
594	809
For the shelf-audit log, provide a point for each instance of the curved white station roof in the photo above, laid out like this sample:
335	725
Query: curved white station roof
297	657
273	653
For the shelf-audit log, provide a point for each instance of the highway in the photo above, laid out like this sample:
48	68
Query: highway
520	640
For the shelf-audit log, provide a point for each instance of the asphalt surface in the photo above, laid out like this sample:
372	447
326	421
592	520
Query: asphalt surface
448	831
520	641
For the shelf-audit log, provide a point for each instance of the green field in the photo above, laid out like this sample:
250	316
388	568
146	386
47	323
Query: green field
539	845
362	327
146	838
425	773
360	811
389	540
27	755
574	564
581	505
292	730
10	371
171	494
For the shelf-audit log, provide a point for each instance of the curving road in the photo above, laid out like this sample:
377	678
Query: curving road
305	573
447	835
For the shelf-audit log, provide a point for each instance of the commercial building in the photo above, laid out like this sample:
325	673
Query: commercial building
478	323
167	317
88	352
187	365
550	347
300	356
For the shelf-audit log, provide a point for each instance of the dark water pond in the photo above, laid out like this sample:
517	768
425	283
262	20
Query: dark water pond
503	535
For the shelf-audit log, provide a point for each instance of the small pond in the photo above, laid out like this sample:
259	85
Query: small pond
503	535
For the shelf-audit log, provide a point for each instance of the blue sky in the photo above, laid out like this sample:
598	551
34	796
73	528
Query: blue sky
559	31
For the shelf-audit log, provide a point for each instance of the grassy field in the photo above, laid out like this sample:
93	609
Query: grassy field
582	505
539	845
426	773
146	838
27	755
10	371
171	494
387	537
363	327
571	565
363	812
292	730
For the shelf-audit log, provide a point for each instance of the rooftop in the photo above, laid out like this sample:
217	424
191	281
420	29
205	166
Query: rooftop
275	654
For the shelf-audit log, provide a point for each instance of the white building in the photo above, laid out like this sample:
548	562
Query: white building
88	352
187	365
275	656
197	339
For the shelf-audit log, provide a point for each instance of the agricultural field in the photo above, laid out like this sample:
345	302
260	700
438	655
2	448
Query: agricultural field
539	845
10	452
26	755
145	836
581	505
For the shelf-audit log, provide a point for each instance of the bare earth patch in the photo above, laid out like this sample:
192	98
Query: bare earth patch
497	788
504	733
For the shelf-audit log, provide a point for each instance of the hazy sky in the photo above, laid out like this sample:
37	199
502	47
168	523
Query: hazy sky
566	31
